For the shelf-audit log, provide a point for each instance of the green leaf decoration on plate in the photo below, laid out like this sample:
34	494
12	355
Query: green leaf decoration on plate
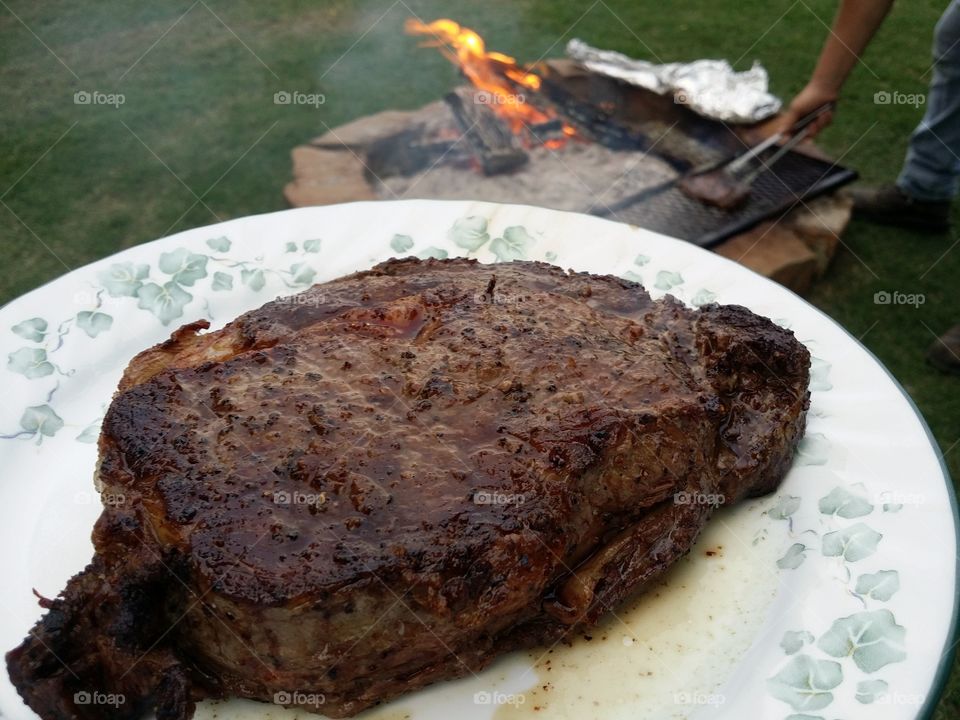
852	544
794	640
93	323
90	433
550	256
820	374
290	247
185	267
123	279
514	244
632	277
892	507
880	585
469	232
844	503
30	362
401	243
220	244
667	280
814	449
33	329
312	246
868	690
703	297
222	281
786	506
641	260
872	639
793	558
433	252
253	279
166	302
302	274
41	420
805	683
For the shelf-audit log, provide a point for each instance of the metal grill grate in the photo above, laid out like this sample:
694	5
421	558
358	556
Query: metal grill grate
667	210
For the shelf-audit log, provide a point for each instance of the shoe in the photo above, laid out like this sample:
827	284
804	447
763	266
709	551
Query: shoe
944	354
889	205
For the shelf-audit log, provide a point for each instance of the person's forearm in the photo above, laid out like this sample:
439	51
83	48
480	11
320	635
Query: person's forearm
856	23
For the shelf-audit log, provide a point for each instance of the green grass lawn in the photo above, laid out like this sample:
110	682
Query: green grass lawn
81	182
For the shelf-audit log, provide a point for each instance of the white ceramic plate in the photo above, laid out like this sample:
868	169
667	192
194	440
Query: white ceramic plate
834	597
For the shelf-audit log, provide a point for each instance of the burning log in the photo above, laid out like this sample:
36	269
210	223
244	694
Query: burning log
494	146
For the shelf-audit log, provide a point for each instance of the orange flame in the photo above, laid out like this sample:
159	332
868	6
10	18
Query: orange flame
489	72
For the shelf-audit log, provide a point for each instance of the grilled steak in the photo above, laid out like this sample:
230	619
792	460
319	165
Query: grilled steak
394	477
717	188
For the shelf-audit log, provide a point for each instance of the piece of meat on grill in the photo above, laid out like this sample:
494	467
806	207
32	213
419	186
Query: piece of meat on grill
718	188
396	476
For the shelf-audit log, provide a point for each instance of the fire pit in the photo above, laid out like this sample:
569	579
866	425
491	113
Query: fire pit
559	136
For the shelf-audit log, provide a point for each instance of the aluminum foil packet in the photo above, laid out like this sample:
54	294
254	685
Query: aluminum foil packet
711	88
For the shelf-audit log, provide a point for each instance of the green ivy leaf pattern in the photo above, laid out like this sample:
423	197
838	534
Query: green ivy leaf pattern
302	274
820	374
805	683
868	690
794	640
93	323
291	247
641	260
312	246
166	302
814	449
844	503
253	279
185	267
41	421
514	244
401	243
793	558
892	507
872	639
852	544
880	585
469	232
632	277
32	363
220	244
786	506
123	279
667	280
33	329
90	433
221	281
433	252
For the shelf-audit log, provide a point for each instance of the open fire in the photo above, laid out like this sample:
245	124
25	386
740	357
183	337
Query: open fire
499	80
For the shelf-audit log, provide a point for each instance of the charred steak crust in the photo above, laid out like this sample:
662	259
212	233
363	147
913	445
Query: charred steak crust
395	476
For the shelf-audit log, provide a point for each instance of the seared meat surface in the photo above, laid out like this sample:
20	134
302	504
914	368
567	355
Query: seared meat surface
395	476
717	188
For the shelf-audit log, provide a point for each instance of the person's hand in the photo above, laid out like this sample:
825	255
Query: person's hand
806	101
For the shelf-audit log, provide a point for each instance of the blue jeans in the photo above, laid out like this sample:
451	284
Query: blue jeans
932	168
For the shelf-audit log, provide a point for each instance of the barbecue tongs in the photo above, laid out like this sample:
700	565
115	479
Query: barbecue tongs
799	134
